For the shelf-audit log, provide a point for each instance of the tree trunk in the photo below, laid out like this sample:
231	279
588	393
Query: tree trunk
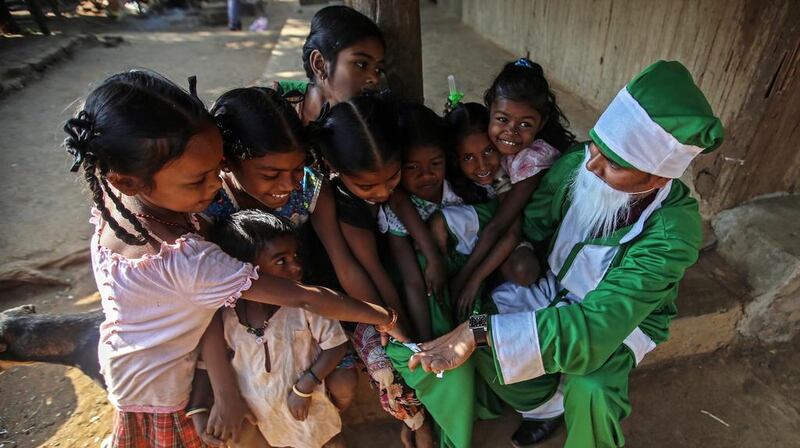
399	20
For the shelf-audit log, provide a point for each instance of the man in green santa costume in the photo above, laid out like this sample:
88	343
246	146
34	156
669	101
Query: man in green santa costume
622	230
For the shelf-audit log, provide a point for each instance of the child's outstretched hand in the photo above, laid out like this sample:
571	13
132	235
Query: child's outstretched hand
298	405
200	421
457	284
466	297
435	277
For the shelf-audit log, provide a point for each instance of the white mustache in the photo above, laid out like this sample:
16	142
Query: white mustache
599	207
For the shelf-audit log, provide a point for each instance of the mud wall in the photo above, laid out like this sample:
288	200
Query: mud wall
745	55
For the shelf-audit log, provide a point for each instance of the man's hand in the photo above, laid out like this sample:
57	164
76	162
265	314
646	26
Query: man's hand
446	352
298	406
200	421
226	417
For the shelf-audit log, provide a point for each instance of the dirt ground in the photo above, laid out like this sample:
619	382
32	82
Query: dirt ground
46	207
743	397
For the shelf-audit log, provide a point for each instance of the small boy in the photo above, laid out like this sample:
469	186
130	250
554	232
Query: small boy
281	355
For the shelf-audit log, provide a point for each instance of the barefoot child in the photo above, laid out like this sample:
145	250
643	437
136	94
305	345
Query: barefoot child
151	155
282	356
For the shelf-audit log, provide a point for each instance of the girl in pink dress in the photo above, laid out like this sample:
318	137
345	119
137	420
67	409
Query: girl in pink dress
150	154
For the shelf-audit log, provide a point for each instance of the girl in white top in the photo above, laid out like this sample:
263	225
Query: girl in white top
282	355
151	155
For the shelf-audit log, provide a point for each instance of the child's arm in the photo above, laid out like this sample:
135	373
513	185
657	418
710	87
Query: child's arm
351	275
496	257
322	367
229	410
200	404
510	209
362	243
323	301
435	274
414	286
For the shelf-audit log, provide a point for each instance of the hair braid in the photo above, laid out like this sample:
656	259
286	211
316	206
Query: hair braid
127	214
98	195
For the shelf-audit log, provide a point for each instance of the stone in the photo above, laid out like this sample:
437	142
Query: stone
760	239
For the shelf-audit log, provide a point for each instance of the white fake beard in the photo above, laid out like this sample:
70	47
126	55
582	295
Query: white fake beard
598	207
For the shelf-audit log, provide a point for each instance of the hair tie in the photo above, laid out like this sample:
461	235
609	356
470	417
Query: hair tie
232	143
523	62
193	85
80	130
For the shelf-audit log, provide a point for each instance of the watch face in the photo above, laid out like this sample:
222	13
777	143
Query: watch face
477	321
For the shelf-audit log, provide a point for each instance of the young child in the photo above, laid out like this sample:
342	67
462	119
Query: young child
357	140
343	56
472	159
528	129
282	356
422	138
151	155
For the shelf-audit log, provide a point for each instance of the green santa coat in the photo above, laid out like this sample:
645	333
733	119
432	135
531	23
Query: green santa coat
616	298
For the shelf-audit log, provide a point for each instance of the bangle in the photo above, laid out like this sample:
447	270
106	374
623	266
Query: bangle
313	375
298	393
389	326
191	412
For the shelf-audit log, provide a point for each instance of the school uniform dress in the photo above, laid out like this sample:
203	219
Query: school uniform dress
396	397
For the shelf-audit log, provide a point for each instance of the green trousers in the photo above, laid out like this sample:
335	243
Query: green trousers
594	404
460	397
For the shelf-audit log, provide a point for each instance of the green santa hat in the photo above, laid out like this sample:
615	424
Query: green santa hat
658	123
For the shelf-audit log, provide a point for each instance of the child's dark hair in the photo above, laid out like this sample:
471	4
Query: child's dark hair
244	234
418	125
523	81
255	121
464	120
133	124
333	29
358	135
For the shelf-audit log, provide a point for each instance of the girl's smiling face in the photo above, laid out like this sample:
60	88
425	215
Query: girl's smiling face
376	186
271	178
513	125
423	172
478	158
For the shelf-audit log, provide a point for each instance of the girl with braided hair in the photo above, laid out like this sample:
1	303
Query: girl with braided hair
151	155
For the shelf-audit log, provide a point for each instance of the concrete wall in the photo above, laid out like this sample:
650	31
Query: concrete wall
744	55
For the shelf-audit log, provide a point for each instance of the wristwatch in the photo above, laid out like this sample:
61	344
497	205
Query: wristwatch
478	324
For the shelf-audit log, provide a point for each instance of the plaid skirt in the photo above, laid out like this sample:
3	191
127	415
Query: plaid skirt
154	430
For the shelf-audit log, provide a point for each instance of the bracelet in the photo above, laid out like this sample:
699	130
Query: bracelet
313	375
196	411
390	325
298	393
